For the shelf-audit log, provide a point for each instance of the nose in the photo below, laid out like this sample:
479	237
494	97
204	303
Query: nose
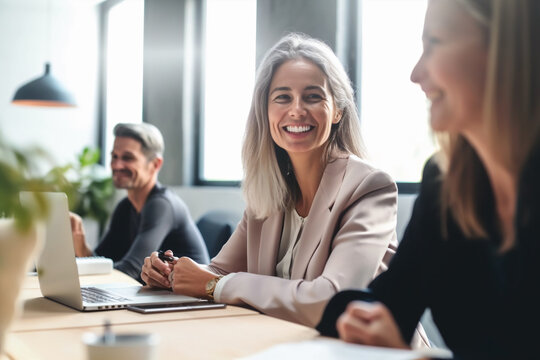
116	164
418	71
297	108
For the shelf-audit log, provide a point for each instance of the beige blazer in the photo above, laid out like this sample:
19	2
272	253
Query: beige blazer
348	238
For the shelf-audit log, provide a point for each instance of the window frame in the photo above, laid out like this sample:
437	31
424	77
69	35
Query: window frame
350	13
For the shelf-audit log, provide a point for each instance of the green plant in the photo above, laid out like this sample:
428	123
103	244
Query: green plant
17	169
89	187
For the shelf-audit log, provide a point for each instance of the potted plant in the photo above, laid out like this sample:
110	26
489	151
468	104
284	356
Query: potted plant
89	187
20	231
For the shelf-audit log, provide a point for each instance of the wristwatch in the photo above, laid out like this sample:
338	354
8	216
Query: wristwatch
211	286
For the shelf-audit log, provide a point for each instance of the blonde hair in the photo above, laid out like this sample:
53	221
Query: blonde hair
511	107
269	184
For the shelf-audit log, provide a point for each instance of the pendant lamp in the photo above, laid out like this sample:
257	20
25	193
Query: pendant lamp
44	91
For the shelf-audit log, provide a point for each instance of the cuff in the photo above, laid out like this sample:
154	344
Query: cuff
220	285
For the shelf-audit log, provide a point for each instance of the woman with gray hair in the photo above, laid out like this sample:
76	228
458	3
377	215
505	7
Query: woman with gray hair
319	218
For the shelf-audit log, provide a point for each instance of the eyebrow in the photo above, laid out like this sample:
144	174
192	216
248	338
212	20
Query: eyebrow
310	87
129	153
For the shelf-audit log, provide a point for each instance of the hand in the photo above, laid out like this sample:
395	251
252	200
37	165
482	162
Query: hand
155	272
190	279
79	239
369	324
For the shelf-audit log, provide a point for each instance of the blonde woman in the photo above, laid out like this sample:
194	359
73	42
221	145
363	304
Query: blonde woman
319	218
471	251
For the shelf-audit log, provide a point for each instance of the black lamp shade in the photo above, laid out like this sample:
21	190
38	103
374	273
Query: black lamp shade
44	91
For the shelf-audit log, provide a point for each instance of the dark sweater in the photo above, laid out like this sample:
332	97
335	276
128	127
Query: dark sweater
485	303
164	223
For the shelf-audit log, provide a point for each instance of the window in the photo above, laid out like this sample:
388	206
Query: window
394	117
394	114
124	64
229	73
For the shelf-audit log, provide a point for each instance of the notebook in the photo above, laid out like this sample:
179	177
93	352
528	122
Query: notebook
94	265
58	275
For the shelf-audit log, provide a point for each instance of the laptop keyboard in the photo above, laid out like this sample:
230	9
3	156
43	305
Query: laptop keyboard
96	295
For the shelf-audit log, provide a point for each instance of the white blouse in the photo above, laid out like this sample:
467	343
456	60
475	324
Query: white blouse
292	229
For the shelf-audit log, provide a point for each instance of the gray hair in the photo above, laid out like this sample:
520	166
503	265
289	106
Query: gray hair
146	134
266	187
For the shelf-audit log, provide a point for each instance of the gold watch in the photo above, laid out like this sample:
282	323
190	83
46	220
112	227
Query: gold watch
211	286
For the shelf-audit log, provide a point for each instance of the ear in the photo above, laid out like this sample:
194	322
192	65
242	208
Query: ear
157	162
337	118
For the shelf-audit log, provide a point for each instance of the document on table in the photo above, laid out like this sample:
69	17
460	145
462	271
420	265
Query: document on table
328	349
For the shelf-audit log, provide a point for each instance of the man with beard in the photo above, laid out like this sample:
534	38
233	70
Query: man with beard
151	217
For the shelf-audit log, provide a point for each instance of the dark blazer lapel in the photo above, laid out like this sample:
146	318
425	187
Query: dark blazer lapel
269	243
316	224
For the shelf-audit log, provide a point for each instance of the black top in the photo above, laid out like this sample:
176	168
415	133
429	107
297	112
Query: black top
163	223
486	304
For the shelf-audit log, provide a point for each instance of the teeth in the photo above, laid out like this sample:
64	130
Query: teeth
298	129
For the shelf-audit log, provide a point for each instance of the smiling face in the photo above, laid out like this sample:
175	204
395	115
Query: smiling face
452	68
130	167
301	108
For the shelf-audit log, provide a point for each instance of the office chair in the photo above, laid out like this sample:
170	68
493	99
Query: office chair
216	226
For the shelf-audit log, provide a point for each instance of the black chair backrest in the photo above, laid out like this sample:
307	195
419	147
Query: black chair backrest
216	227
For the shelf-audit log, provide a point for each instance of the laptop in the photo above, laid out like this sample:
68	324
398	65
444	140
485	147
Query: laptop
58	275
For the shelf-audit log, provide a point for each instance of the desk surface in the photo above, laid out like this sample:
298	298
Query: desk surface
216	338
40	313
48	330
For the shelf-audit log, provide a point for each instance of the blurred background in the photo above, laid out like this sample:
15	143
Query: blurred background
188	66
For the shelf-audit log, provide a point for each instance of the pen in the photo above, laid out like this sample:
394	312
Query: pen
167	259
163	257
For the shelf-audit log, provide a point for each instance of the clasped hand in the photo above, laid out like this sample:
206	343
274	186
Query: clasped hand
182	275
369	324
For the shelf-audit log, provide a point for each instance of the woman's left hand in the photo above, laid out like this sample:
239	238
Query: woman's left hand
190	279
370	324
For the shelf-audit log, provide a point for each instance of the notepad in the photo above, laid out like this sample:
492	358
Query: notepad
94	265
331	349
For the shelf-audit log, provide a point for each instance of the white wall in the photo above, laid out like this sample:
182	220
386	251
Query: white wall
64	32
201	199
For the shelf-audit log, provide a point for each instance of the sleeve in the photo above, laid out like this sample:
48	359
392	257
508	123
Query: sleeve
336	306
403	287
157	220
365	229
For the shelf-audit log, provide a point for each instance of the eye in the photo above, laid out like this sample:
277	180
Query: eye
429	42
314	97
282	98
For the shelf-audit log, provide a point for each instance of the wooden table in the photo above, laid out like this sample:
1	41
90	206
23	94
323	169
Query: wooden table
48	330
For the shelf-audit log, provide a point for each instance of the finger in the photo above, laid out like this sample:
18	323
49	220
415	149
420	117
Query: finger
152	275
151	282
160	265
356	330
364	310
73	222
170	253
156	278
351	329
